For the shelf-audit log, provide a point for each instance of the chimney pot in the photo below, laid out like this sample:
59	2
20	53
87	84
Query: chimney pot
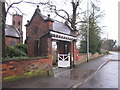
37	6
48	15
28	21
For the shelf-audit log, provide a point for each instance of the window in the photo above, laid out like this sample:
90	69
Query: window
19	22
12	43
13	22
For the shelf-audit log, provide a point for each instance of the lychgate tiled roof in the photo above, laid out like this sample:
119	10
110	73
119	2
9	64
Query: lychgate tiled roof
11	31
61	27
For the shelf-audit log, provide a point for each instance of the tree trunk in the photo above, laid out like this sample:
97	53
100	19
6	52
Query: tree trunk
3	30
73	22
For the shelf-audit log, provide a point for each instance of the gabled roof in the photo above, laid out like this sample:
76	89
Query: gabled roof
11	31
57	26
38	12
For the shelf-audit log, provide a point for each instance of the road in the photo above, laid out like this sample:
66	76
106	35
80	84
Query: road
107	76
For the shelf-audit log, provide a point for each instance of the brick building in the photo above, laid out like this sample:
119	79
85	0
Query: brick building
42	31
13	33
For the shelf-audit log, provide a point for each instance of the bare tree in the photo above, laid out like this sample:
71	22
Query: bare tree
70	18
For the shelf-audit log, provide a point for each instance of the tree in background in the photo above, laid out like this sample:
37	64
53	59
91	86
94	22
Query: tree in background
111	44
83	38
108	44
94	31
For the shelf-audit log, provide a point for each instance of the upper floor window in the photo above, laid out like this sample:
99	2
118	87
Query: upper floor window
19	22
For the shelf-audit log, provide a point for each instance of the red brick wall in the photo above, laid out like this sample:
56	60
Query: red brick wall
83	57
10	68
9	39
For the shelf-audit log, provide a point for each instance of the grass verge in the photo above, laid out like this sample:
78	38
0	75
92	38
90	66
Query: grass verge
28	75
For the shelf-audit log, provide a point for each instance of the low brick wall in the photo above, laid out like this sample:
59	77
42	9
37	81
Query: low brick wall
83	58
21	67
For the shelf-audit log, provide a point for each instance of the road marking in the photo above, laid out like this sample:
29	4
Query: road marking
79	84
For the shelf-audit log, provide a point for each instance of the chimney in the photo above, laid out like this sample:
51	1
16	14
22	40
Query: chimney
49	21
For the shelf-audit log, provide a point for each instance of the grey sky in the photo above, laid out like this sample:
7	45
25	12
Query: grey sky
109	6
111	18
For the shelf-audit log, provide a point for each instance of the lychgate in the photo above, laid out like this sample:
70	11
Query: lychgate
52	39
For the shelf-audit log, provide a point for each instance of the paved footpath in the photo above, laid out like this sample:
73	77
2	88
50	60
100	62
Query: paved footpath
65	78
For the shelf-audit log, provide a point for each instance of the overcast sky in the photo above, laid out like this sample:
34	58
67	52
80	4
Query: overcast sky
111	17
110	20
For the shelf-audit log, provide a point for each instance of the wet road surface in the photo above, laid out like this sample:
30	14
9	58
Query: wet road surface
107	76
66	78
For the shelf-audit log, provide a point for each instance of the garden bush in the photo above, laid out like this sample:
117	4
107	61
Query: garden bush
19	50
21	47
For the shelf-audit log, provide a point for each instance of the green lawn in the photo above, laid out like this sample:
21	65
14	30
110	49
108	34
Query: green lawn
103	52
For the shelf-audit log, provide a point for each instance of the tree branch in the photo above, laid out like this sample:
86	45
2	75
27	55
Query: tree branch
36	3
6	3
65	13
12	5
18	10
53	7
